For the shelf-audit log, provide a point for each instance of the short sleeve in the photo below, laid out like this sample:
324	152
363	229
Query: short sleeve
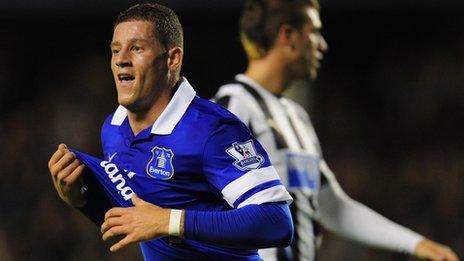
238	166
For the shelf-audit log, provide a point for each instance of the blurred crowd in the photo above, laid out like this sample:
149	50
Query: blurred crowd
390	120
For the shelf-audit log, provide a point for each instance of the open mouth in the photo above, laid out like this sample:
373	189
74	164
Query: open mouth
126	78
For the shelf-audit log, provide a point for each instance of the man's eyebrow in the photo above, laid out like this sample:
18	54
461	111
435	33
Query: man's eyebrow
132	40
115	44
139	40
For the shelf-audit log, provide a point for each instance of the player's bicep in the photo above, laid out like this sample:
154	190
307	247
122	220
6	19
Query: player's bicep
238	166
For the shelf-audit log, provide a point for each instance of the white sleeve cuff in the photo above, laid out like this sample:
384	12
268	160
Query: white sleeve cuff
253	178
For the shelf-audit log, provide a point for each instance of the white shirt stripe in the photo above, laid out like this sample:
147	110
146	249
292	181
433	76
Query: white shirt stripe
249	180
272	194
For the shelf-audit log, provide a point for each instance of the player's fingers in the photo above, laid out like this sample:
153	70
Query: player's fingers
115	212
138	201
450	255
122	243
64	173
437	257
444	253
62	146
54	159
75	174
63	162
110	222
114	231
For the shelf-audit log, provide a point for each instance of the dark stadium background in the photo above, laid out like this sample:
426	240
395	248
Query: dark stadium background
388	108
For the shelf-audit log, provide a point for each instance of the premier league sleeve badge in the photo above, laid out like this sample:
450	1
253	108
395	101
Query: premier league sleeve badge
245	155
160	165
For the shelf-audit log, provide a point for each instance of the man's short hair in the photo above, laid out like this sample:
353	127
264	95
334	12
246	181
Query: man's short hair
167	28
261	20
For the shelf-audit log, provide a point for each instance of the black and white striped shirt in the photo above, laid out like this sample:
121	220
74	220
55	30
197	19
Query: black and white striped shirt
284	129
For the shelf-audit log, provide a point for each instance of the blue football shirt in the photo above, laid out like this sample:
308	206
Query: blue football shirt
196	156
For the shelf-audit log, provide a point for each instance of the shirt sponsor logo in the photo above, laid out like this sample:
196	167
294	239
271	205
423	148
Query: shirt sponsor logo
245	155
117	178
303	171
160	165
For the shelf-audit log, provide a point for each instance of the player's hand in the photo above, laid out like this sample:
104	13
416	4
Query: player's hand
144	221
66	171
429	250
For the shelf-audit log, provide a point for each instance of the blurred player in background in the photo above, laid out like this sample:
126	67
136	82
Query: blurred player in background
283	43
207	188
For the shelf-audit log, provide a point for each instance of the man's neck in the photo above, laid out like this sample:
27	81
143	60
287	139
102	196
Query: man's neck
141	120
268	73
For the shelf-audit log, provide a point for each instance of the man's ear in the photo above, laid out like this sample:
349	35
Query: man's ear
287	37
175	56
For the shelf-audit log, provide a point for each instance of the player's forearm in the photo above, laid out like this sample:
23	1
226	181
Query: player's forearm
351	219
250	227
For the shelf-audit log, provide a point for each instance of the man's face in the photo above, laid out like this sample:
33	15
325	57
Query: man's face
138	63
311	46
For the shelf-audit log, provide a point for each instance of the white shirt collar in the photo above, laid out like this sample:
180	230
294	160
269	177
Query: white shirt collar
170	116
263	91
243	78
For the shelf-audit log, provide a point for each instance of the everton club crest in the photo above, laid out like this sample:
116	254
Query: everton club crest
160	165
245	155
